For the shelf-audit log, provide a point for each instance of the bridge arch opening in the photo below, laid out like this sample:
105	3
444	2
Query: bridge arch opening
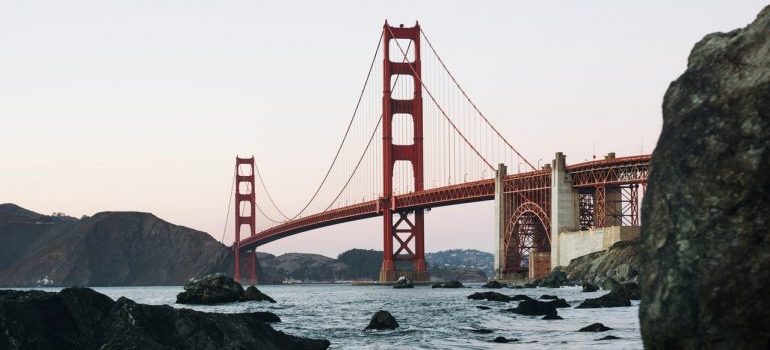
403	129
403	177
397	45
403	87
527	232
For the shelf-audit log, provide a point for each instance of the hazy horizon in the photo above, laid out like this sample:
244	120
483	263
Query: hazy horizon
143	106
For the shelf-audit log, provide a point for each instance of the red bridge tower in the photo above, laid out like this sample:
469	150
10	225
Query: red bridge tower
409	227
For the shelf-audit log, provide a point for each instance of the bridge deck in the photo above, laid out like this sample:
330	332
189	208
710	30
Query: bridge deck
615	171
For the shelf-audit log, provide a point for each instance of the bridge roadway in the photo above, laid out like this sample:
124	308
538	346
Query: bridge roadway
608	172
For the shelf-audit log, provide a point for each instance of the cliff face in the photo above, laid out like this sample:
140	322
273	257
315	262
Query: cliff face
620	262
705	234
110	248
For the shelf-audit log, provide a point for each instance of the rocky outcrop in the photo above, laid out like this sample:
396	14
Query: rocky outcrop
620	262
80	318
218	288
211	289
491	296
253	294
705	216
403	282
382	320
555	279
450	284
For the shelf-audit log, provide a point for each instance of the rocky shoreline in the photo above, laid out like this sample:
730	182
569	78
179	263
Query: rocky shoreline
80	318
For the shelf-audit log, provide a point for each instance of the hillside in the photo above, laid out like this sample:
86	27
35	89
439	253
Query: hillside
110	248
134	248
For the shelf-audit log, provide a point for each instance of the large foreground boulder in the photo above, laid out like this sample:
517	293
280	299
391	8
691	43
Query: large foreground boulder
382	320
705	241
80	318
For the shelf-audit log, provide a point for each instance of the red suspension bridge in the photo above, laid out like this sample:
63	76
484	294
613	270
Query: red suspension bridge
417	141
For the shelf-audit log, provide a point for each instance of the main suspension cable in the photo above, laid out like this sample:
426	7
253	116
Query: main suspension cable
473	104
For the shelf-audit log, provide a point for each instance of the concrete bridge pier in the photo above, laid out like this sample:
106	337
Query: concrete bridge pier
563	204
499	221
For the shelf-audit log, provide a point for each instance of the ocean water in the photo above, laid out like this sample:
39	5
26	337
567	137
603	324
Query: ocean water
429	318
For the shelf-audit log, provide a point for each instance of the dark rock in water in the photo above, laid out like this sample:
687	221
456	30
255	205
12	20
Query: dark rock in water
552	317
491	296
483	307
548	297
555	279
534	308
589	287
607	300
266	316
520	297
705	261
382	320
211	289
254	294
481	331
529	285
80	318
503	340
608	337
559	303
595	327
450	284
403	282
629	290
493	284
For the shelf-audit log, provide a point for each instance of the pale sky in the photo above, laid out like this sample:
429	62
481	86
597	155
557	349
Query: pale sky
143	105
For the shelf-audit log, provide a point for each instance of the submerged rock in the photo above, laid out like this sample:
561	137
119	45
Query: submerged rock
503	340
403	282
608	337
382	320
481	331
705	216
481	307
548	297
493	284
534	308
211	289
450	284
521	297
595	327
552	317
491	296
84	319
254	294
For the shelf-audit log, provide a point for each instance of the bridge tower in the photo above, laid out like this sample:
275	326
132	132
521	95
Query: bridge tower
245	206
409	227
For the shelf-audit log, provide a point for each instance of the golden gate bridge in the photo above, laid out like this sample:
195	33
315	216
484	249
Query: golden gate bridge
416	141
